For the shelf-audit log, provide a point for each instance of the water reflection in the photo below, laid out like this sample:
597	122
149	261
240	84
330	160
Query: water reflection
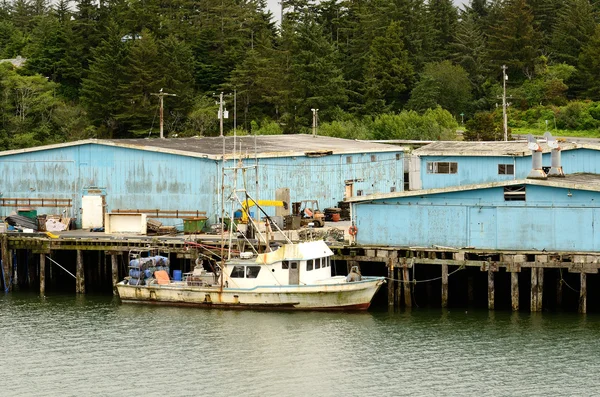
82	345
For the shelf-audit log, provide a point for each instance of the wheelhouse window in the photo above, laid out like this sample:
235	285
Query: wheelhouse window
309	264
245	271
318	263
252	271
238	272
442	167
506	169
285	265
514	193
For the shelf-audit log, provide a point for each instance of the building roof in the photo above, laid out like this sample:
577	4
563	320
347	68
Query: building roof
496	148
16	62
580	181
263	146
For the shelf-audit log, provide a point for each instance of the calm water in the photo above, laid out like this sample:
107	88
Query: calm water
80	346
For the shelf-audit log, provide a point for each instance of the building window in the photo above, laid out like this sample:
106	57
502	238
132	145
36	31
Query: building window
348	160
373	158
359	192
398	156
442	167
309	264
392	189
514	193
506	169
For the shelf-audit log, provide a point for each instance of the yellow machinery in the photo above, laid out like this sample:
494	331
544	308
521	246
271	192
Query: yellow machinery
261	203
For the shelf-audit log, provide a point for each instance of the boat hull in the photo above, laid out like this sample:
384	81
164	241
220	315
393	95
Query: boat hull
341	296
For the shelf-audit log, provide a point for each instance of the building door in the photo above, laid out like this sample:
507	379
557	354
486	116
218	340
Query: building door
482	227
93	207
294	273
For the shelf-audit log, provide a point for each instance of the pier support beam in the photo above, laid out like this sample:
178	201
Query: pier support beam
80	275
540	288
514	291
407	286
6	264
491	289
115	273
559	289
390	285
398	291
534	281
537	288
444	285
470	291
583	293
42	275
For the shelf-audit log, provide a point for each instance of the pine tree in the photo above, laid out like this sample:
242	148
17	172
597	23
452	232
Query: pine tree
444	19
388	72
100	89
574	27
141	78
513	40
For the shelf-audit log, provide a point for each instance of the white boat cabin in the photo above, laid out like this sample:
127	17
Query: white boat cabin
306	263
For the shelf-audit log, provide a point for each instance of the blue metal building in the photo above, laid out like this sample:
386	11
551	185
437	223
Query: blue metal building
186	174
559	214
445	164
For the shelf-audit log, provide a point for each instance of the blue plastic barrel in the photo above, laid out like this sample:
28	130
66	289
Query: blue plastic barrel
177	275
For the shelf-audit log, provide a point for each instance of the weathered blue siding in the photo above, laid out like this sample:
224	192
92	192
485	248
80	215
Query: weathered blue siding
131	178
140	179
484	169
549	219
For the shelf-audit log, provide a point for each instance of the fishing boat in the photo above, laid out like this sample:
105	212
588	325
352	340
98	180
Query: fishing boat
295	276
291	276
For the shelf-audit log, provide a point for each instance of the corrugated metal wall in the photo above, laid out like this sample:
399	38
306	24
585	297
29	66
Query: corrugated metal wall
138	179
549	219
474	170
130	178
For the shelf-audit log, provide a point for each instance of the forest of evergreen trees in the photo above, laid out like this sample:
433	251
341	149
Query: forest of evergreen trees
377	69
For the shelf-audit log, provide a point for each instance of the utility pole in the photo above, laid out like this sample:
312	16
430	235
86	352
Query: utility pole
504	117
160	96
221	114
314	126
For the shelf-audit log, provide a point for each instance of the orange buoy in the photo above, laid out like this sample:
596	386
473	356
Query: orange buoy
353	230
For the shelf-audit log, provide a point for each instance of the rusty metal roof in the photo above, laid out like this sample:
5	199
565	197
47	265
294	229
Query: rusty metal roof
496	148
248	146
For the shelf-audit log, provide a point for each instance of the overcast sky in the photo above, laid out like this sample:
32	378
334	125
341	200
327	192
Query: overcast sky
276	8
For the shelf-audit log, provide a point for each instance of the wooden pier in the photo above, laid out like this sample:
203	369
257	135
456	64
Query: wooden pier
440	265
496	280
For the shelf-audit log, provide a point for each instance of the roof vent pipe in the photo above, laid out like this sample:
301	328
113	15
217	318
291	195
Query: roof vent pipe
536	159
556	169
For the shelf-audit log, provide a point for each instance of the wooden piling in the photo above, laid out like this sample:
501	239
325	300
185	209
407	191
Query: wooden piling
540	288
470	291
391	282
583	293
514	291
80	275
398	292
534	289
5	263
559	289
31	270
42	275
115	273
407	287
444	285
491	291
